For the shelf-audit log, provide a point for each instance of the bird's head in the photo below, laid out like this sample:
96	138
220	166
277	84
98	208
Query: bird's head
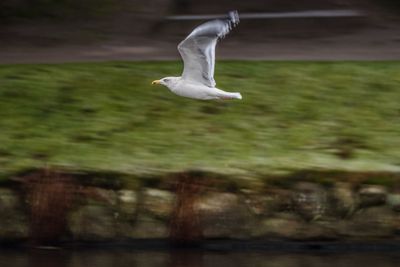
167	81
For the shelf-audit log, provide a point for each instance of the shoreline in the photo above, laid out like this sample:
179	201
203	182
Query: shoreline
165	245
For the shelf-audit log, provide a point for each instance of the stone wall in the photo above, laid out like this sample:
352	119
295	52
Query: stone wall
299	210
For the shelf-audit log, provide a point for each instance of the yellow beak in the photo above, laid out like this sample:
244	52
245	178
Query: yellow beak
155	82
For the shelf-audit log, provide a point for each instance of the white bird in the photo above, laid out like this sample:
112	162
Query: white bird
198	54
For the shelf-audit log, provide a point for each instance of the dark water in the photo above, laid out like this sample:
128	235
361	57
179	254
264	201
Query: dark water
125	258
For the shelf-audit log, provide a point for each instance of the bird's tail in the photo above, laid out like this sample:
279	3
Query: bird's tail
229	95
236	95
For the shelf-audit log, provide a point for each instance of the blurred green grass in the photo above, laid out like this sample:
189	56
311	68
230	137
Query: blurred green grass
293	116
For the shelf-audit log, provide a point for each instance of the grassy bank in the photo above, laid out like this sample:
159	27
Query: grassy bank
293	116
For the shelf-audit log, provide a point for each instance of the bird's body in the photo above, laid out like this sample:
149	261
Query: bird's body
192	89
198	54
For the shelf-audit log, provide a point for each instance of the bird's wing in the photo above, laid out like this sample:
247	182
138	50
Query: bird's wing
198	49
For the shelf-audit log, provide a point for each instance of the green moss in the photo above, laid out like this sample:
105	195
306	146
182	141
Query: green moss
106	117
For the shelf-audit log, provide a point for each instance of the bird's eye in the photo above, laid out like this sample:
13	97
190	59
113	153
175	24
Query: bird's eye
166	80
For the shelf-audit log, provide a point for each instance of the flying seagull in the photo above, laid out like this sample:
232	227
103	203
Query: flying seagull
198	54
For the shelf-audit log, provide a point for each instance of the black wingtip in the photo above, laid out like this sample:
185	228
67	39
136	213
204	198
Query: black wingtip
234	17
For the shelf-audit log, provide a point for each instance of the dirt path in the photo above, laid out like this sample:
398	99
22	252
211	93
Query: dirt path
366	43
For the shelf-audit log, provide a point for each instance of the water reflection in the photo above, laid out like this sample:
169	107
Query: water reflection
103	258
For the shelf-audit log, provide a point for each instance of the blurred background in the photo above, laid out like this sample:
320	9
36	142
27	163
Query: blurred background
46	30
91	153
